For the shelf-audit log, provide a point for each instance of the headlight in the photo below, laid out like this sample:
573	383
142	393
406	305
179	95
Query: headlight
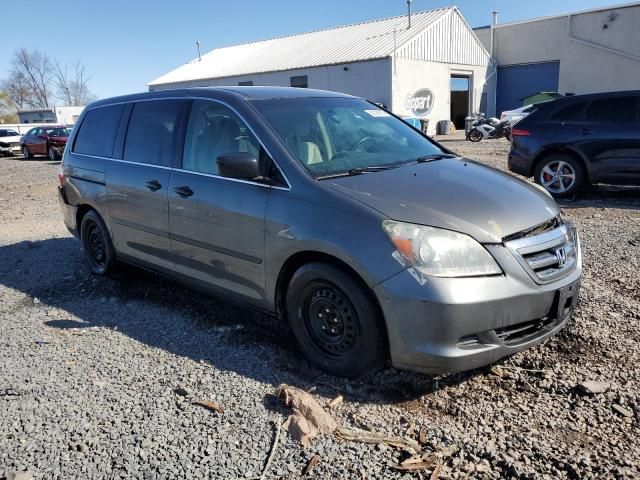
439	252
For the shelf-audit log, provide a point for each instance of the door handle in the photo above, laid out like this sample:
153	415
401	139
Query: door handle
183	191
153	185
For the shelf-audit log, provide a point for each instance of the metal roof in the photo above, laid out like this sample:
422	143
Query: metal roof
350	43
604	8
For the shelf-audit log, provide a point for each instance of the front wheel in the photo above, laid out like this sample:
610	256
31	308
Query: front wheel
337	324
475	135
52	153
560	174
96	243
25	153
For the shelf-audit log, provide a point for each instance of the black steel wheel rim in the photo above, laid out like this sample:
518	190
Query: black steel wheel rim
331	320
95	244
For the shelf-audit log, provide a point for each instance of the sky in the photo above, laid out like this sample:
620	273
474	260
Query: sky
127	43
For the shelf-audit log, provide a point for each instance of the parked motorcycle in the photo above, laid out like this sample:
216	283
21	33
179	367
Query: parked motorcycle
485	128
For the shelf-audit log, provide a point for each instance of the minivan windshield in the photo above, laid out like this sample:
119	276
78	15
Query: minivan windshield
344	136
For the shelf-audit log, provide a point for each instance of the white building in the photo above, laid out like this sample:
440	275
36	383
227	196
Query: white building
590	51
408	66
58	115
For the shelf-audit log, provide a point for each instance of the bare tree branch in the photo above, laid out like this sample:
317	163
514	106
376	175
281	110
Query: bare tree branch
8	111
71	83
34	78
17	90
35	69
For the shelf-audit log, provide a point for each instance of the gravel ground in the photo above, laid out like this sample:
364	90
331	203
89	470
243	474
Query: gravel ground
90	368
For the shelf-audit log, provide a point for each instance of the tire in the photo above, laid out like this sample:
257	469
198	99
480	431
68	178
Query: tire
51	153
475	135
337	324
25	153
561	175
97	244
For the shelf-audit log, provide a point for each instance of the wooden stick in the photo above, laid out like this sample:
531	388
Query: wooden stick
276	440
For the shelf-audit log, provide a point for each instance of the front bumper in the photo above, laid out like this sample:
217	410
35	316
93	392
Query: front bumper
10	149
454	324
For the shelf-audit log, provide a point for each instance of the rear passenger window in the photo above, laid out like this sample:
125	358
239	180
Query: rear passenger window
98	131
152	131
573	112
613	110
214	130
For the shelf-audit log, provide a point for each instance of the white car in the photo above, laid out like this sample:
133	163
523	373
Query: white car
512	116
9	142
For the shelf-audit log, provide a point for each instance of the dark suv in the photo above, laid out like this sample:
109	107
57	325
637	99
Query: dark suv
573	141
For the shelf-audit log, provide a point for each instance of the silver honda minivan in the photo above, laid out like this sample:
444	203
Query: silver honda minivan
374	242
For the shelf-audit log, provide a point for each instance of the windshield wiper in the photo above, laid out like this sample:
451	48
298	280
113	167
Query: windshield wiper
357	171
361	170
437	156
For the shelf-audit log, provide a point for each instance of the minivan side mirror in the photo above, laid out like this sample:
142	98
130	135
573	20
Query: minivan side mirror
239	165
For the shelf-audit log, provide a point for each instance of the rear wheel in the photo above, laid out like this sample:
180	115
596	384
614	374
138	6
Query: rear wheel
475	135
96	243
337	324
561	175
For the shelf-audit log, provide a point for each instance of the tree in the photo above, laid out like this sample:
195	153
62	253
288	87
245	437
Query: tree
17	90
34	71
8	112
71	82
34	78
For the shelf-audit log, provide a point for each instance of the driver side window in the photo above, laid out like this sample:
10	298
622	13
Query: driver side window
214	130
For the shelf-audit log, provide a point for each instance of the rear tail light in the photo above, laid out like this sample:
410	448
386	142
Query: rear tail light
519	132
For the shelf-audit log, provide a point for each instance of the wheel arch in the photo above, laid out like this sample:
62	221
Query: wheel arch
82	209
565	150
299	259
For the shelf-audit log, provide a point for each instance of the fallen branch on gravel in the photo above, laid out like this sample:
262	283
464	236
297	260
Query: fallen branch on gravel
436	471
363	436
315	460
309	419
276	440
426	461
213	406
335	402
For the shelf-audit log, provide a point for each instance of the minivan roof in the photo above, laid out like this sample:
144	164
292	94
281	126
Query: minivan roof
245	92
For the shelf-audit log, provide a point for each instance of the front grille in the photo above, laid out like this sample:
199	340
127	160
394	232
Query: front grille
547	256
516	333
511	335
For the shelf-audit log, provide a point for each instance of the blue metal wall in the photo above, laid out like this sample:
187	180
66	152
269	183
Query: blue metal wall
518	81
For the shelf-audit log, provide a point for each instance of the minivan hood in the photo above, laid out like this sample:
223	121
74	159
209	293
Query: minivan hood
456	194
58	139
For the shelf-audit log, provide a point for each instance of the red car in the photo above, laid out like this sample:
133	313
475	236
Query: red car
49	141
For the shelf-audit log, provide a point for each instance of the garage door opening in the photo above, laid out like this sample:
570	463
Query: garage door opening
460	85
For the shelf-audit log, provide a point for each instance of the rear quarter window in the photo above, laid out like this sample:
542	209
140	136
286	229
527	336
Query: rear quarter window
98	131
573	112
